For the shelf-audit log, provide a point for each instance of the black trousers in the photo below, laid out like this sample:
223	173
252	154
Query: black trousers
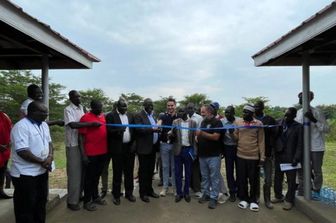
146	171
247	176
30	198
278	182
123	164
230	154
195	181
92	174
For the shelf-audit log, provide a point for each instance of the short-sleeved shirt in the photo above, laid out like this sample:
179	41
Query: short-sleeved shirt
206	147
24	106
28	135
95	138
5	129
72	113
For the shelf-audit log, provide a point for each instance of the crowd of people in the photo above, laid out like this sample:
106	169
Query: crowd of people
191	147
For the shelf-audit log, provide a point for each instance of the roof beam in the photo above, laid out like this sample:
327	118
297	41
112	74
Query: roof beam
24	23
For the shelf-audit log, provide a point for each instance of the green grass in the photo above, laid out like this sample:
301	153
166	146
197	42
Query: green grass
329	165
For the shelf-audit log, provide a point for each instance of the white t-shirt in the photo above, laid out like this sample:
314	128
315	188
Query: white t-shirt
24	106
28	135
72	113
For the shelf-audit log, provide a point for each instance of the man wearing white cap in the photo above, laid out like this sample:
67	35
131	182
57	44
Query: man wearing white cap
250	154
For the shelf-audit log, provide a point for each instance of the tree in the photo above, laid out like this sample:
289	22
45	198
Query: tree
198	99
14	91
96	94
134	102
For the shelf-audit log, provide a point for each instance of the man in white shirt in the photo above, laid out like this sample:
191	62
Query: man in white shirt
72	114
32	155
318	129
34	93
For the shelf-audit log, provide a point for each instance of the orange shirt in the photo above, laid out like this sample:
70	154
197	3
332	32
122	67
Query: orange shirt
95	138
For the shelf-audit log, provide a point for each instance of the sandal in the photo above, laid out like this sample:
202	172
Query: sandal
243	204
254	207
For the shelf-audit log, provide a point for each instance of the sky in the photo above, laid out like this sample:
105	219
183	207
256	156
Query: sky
161	48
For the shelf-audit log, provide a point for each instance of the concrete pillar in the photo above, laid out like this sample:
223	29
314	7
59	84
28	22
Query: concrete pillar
306	128
45	80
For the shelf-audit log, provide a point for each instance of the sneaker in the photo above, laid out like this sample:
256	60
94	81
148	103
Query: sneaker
222	198
198	194
277	200
212	204
287	206
74	207
204	198
232	198
164	192
89	206
100	201
316	196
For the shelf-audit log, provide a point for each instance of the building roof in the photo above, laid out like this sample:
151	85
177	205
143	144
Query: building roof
316	35
24	40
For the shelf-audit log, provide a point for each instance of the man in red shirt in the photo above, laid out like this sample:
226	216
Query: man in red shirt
94	150
5	128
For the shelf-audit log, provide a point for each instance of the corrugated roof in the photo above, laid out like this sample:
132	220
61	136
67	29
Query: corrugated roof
81	50
309	20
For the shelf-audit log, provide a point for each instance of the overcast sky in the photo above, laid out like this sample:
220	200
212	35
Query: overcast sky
179	47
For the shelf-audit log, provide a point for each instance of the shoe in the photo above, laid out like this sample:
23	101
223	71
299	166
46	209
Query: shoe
144	198
74	207
90	206
103	193
187	198
232	198
254	207
268	204
243	204
100	201
287	206
212	204
277	200
316	196
131	198
116	201
178	198
3	195
164	192
198	194
222	198
154	195
203	199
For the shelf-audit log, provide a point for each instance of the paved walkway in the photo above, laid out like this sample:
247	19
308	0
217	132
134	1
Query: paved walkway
164	210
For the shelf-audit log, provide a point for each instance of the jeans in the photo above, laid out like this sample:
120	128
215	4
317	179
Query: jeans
167	159
210	171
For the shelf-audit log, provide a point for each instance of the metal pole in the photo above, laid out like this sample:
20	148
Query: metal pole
45	80
306	128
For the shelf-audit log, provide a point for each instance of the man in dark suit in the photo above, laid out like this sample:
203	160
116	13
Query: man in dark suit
120	140
146	138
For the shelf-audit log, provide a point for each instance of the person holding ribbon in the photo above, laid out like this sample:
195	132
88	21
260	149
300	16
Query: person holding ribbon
183	148
146	140
120	140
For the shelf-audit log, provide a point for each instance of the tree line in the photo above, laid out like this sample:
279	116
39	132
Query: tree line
14	84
